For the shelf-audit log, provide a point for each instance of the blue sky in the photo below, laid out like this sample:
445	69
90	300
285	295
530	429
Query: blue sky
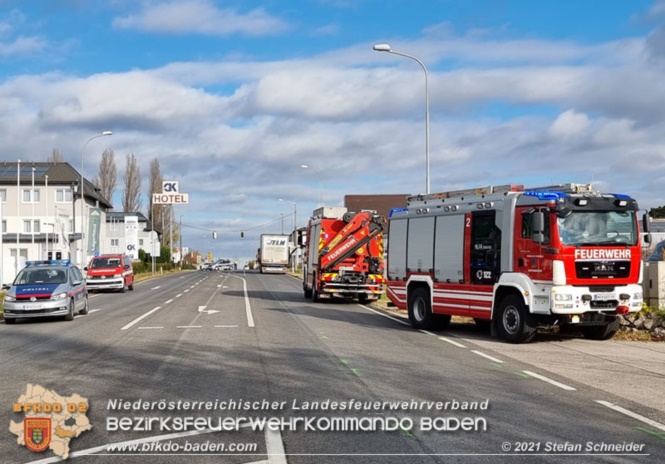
233	96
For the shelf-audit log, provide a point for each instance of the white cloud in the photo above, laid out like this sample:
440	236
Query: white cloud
200	17
569	124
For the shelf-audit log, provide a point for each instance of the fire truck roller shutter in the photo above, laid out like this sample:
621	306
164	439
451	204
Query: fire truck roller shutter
397	247
420	256
449	249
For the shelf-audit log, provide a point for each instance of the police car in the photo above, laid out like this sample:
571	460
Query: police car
53	288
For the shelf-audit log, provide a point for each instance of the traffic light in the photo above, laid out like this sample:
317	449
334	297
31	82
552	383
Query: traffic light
242	235
214	235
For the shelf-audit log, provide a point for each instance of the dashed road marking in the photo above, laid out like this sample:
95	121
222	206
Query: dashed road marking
548	380
632	414
452	342
140	318
149	328
487	356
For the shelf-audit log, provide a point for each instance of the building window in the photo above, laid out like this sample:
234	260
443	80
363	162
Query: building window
63	196
4	226
30	227
3	195
114	242
71	226
30	196
140	242
36	227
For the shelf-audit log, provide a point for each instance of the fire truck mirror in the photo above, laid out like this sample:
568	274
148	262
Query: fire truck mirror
538	226
646	228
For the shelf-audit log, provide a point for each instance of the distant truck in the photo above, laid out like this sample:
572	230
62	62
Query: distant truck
273	255
344	255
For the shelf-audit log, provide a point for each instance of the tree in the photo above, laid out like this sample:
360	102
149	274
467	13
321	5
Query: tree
658	212
108	177
161	215
131	196
56	157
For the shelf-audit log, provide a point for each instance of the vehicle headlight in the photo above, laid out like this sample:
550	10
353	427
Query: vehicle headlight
117	275
637	296
59	296
563	297
9	298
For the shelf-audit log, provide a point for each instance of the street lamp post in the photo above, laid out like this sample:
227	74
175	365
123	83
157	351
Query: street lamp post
295	227
386	48
84	246
305	166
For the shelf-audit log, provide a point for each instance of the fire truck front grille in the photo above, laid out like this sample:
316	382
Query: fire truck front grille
602	269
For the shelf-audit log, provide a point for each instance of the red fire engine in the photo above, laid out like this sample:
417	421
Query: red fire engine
344	255
517	259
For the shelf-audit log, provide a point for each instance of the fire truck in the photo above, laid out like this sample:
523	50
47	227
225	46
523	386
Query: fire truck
344	255
517	259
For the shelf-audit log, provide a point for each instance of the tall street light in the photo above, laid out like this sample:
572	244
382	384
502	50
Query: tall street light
295	227
84	246
305	166
386	48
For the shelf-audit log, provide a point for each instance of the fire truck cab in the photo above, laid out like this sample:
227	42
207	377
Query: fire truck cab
517	259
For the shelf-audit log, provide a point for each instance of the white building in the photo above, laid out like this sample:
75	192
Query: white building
41	212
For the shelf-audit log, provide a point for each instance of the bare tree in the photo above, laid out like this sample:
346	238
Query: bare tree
131	196
160	215
56	157
107	178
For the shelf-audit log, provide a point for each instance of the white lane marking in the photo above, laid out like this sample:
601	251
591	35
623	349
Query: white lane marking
231	326
384	315
553	382
188	327
202	309
93	311
452	342
178	295
155	288
275	447
140	318
149	328
248	307
480	353
186	291
167	302
632	414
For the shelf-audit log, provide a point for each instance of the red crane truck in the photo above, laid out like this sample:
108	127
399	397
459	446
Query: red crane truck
344	255
517	259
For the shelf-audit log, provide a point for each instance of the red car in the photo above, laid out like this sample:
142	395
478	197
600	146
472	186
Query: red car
110	272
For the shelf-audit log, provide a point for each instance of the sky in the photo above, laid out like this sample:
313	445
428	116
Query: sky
232	97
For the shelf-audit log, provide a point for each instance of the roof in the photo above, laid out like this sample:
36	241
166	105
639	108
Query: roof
382	204
58	174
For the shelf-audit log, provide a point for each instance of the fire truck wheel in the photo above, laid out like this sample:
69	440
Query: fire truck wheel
420	309
515	324
601	332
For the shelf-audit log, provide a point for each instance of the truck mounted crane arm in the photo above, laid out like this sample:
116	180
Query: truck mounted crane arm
362	228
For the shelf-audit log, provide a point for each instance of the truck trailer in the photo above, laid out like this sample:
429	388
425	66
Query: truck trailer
344	255
517	259
273	255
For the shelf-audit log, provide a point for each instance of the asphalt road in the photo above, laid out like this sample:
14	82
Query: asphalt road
251	347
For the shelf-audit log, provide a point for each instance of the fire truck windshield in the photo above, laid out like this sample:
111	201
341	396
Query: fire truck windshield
598	228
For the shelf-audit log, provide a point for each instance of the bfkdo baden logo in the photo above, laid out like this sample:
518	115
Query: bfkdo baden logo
51	421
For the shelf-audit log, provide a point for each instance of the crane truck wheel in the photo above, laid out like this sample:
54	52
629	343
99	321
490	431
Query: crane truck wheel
314	293
601	332
515	324
306	291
